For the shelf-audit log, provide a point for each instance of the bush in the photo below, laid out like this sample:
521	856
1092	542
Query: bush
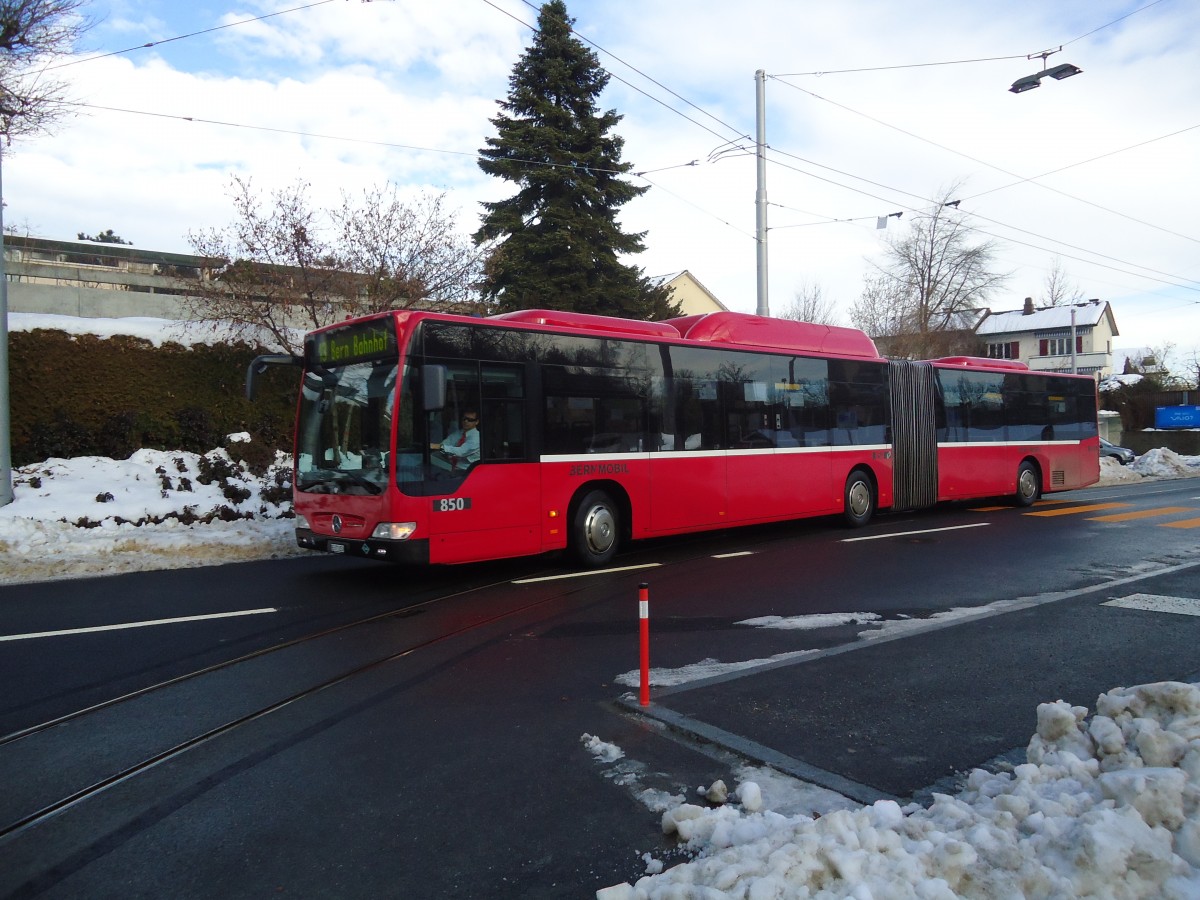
81	395
61	436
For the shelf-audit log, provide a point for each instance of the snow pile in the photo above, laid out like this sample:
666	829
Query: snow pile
602	750
1106	808
1112	472
155	510
1165	463
156	331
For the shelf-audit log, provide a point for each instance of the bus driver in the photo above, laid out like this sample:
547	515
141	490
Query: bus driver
460	448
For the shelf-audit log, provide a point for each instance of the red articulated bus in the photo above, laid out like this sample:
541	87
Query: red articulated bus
592	431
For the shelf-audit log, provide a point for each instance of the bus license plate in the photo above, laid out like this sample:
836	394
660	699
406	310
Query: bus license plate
336	548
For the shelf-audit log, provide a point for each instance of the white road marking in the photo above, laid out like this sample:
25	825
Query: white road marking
892	534
1184	606
731	555
586	574
95	628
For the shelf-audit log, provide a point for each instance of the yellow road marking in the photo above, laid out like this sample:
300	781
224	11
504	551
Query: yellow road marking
1010	506
1142	514
1076	510
1182	523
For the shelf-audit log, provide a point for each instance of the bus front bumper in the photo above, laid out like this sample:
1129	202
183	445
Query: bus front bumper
393	551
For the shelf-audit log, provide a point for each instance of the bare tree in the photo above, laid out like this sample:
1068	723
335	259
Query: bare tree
810	305
881	310
408	254
936	277
33	33
284	267
1060	290
1191	362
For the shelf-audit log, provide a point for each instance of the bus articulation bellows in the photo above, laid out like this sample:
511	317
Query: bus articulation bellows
594	431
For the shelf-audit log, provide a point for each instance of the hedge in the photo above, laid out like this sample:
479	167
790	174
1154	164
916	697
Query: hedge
82	395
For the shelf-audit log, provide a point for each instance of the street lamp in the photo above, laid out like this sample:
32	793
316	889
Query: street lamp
1058	73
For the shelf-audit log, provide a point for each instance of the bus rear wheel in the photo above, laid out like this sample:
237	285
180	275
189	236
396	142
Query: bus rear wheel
595	530
860	499
1029	484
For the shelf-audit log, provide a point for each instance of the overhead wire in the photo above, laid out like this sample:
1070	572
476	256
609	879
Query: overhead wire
1015	228
181	37
997	168
1084	162
1133	12
337	137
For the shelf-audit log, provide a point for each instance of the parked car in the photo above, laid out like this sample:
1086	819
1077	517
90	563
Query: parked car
1123	455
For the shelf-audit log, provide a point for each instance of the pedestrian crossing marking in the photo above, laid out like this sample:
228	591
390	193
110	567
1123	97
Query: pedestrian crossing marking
1010	506
1182	523
1076	510
1183	606
1142	514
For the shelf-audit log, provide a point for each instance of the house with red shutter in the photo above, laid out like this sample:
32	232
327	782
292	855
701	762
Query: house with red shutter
1075	337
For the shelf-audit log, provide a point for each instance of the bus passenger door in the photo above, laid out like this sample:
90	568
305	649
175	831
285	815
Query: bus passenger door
688	465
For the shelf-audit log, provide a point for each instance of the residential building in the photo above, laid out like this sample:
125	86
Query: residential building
98	280
1077	337
692	296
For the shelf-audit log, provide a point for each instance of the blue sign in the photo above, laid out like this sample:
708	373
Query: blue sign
1177	417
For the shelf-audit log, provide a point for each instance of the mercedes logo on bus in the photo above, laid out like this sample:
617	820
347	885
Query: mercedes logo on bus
337	524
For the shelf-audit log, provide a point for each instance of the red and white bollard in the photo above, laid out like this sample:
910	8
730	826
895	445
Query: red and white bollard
644	622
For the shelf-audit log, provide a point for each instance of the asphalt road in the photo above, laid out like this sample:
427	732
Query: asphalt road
359	729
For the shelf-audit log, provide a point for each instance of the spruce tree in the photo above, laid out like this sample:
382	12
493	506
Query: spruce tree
557	240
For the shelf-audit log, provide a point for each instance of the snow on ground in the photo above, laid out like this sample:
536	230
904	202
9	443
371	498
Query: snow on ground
1105	807
156	331
155	510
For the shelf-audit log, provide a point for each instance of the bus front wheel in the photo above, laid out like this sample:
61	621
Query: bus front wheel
1029	484
595	530
860	499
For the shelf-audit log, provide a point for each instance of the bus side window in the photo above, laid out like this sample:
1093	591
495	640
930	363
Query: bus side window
698	409
502	422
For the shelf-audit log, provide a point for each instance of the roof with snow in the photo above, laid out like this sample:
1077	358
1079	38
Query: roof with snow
1047	318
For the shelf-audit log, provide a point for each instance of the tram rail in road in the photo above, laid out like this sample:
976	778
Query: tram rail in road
256	684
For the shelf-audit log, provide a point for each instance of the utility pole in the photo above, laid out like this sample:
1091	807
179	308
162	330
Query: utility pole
760	195
1074	358
6	487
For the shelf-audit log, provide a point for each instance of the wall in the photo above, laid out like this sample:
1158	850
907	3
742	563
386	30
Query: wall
91	303
1185	443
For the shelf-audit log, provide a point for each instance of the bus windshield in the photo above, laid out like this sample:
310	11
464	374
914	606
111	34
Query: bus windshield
344	428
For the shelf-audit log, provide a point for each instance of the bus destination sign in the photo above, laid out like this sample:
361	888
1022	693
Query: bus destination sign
355	343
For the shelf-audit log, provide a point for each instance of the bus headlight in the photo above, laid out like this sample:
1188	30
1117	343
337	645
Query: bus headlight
301	522
394	531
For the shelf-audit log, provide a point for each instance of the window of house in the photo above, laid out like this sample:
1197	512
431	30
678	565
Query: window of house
1059	346
1006	350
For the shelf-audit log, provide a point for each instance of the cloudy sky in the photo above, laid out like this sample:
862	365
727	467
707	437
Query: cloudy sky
872	107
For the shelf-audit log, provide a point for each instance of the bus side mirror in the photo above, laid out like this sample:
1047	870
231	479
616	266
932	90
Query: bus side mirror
259	365
433	386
